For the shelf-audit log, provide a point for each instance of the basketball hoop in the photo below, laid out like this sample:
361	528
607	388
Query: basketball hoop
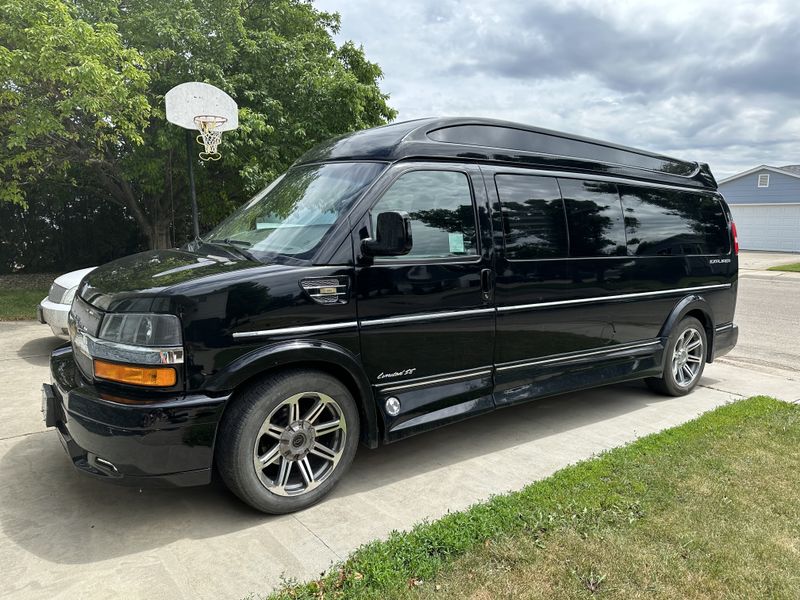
210	135
199	106
195	105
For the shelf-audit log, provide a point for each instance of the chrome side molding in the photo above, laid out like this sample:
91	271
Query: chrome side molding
303	329
700	288
635	348
450	314
457	314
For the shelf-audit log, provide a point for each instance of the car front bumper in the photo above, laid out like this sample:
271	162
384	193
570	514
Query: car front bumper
164	442
55	315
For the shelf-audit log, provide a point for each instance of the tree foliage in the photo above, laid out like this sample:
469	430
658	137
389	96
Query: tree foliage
68	89
66	228
95	96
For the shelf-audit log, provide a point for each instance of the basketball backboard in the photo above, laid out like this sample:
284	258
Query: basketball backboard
187	101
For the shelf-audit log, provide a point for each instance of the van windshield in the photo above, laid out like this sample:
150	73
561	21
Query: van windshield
296	212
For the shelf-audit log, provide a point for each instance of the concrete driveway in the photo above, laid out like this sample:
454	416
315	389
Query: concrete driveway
64	536
751	260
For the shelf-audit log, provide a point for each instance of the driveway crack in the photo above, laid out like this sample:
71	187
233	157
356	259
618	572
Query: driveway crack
309	530
716	389
21	435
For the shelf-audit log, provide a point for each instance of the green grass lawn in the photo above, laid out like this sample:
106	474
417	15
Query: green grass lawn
706	510
793	267
20	303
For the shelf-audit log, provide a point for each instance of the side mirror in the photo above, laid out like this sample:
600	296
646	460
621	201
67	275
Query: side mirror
392	235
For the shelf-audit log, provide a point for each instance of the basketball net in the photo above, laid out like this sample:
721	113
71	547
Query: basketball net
209	136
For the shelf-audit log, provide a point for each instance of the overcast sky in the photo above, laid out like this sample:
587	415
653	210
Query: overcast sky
717	82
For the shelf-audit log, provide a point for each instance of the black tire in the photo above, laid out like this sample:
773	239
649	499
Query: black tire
241	435
668	384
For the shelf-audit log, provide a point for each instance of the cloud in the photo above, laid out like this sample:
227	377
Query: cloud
651	57
717	82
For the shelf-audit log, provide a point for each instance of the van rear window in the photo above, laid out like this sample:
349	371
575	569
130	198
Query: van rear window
594	216
606	219
533	217
661	222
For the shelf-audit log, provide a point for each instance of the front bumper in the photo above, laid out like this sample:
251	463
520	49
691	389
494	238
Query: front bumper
55	315
165	442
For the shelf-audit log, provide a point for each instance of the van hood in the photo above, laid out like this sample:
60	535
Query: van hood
140	282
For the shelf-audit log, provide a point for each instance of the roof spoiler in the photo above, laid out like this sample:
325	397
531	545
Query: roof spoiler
704	174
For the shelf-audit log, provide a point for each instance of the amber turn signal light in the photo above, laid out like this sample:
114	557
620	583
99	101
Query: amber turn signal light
134	375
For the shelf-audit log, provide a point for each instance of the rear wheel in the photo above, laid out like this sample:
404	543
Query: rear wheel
287	440
685	359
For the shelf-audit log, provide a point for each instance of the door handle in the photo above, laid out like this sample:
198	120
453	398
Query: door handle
486	283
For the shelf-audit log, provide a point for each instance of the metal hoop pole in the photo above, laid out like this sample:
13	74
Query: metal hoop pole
195	216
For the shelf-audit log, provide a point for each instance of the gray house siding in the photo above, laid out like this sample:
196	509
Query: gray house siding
766	218
745	190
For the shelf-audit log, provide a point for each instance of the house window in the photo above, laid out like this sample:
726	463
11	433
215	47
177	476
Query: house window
763	180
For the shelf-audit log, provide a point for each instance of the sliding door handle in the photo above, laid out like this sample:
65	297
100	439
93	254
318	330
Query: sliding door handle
486	283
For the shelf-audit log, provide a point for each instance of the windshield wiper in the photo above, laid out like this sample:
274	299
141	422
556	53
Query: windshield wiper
230	241
233	245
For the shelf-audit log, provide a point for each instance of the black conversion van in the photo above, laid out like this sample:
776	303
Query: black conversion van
392	281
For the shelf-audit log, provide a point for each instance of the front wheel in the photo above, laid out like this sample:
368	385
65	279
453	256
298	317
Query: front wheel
287	440
685	359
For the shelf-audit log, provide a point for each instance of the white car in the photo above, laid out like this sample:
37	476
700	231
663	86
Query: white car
54	309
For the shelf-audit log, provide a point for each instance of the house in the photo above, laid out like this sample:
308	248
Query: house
765	202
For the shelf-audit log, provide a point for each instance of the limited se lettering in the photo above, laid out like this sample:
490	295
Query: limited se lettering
396	373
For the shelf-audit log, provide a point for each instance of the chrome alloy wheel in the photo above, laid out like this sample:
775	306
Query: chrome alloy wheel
300	443
687	357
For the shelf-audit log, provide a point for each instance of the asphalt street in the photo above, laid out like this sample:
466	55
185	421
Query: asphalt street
768	315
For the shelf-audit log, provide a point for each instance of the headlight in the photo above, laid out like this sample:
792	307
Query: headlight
141	329
129	346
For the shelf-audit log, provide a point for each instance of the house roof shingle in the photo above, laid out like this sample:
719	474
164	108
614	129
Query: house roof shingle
791	170
794	169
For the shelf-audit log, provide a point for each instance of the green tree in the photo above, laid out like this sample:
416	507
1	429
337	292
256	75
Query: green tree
69	92
294	86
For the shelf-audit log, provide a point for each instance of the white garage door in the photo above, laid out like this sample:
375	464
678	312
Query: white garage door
771	227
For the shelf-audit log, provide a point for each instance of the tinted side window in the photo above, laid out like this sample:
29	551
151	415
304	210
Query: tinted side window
671	222
440	206
594	217
533	217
